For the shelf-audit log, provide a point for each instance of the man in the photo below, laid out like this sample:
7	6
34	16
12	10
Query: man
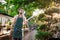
18	22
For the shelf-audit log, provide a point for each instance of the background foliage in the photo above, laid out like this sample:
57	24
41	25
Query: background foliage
28	5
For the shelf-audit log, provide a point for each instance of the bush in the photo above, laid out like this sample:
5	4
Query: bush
42	27
43	35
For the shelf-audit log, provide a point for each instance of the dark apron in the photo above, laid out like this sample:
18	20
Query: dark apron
17	33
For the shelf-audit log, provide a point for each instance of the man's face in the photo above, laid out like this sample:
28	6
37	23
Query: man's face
21	11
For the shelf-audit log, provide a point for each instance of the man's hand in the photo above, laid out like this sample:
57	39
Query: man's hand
25	22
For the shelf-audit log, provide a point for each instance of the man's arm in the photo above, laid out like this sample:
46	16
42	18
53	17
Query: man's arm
24	20
14	20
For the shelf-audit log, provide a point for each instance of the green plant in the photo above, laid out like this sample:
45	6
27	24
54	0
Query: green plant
42	27
43	35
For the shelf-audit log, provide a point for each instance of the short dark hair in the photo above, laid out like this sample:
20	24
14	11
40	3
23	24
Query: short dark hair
20	8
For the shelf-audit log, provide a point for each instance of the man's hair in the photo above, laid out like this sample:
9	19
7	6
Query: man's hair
20	8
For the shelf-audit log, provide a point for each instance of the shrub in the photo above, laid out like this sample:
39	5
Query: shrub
43	35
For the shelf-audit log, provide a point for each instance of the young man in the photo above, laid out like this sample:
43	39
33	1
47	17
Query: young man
18	22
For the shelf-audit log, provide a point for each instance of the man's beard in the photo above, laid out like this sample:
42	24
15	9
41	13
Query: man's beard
20	13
